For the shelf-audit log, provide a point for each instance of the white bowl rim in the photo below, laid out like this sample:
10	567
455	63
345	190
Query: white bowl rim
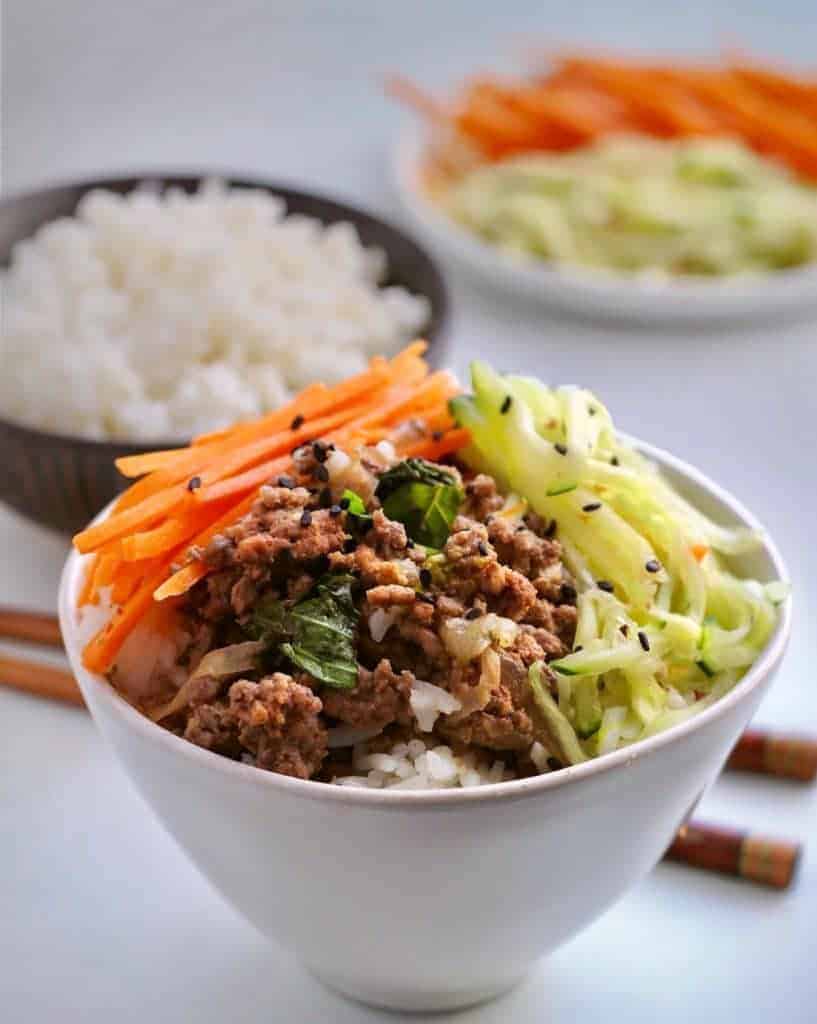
154	734
719	293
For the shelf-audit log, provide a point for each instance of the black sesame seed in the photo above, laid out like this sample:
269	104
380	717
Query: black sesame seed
297	422
473	613
643	639
409	543
349	545
624	629
521	527
605	585
614	460
592	410
550	532
194	483
425	577
567	592
325	498
578	648
482	548
334	511
437	435
506	404
653	565
344	503
561	448
591	506
554	764
286	481
319	451
306	517
425	598
321	473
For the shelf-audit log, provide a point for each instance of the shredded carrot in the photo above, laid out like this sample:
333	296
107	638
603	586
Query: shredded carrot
584	96
88	593
180	582
146	550
699	552
447	445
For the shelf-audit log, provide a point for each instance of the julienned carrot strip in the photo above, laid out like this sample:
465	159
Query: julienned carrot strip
204	538
129	576
180	582
146	513
437	388
268	447
448	443
171	533
308	394
87	594
699	552
237	485
100	652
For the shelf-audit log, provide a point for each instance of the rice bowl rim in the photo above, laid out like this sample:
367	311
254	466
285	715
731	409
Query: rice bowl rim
124	182
444	798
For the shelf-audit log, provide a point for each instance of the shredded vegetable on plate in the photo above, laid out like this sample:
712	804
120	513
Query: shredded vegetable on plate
664	627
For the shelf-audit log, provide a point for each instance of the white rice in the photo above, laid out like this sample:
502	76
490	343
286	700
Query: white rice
149	317
421	764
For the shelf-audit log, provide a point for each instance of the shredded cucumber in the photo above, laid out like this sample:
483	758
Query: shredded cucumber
637	205
664	627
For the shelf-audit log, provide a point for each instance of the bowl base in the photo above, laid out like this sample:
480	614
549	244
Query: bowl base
413	999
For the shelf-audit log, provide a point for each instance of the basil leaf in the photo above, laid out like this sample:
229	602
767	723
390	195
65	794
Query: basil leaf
323	633
361	520
426	510
317	633
268	622
412	471
423	497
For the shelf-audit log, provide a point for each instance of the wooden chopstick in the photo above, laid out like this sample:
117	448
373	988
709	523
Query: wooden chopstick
30	627
768	753
766	861
40	680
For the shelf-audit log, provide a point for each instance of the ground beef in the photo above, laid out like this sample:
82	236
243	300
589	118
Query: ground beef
521	549
491	562
380	698
387	537
275	720
481	497
506	721
374	570
477	570
390	594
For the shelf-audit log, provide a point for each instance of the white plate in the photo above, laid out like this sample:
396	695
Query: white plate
595	293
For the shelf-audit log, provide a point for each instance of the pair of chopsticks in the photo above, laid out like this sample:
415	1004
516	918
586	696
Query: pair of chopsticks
767	861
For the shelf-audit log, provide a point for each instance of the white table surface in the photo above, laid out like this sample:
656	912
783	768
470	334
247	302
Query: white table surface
101	916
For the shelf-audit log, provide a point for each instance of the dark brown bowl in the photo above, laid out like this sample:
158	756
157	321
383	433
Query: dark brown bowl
62	481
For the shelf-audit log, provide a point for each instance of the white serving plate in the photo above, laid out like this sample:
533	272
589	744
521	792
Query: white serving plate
590	293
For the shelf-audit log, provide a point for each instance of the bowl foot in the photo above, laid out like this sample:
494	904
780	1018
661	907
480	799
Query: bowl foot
374	992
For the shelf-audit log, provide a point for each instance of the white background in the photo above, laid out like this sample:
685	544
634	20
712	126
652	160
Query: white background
101	917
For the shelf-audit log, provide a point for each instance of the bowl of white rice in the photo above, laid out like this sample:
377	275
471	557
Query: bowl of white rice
144	310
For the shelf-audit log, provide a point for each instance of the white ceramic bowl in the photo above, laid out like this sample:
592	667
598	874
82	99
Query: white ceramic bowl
589	293
432	900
